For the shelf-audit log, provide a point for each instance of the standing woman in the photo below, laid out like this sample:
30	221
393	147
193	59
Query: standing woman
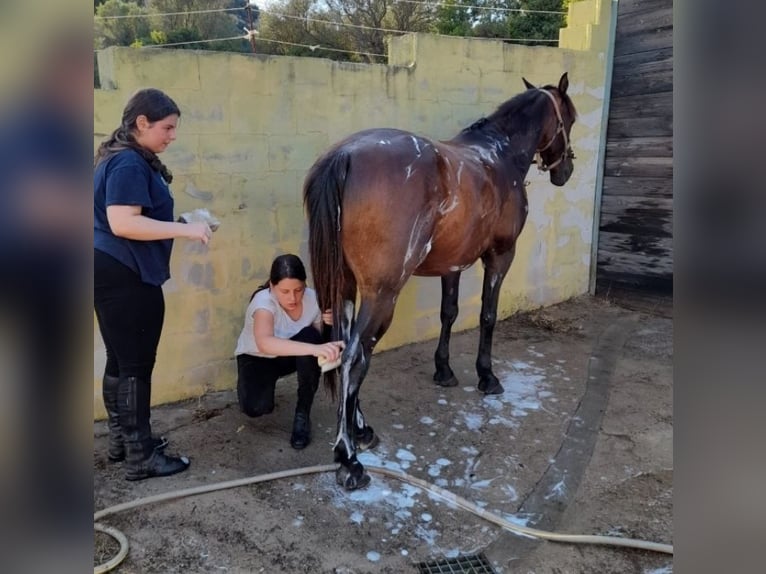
133	237
283	334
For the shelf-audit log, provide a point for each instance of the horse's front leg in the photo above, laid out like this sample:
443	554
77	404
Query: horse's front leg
449	309
495	268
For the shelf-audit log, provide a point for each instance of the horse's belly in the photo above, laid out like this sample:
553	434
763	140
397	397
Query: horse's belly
439	263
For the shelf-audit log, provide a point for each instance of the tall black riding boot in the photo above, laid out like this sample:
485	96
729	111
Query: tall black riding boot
308	381
116	451
109	388
142	459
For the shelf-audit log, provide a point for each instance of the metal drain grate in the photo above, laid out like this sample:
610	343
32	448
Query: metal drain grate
471	564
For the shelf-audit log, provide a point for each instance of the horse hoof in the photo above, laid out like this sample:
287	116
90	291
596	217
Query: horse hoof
350	482
367	439
490	387
451	382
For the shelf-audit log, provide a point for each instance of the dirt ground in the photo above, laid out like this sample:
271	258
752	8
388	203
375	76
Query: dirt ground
580	442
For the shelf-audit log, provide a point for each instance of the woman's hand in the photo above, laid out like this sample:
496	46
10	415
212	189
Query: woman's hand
328	352
327	317
199	231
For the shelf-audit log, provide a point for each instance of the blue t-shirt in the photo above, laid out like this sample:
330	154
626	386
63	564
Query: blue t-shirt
126	178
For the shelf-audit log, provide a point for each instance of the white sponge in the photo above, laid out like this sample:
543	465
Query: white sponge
200	216
326	365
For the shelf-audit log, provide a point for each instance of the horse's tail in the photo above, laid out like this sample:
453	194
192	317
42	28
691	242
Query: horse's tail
323	200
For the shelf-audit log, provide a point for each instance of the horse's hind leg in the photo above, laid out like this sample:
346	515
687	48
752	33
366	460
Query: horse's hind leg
449	309
374	318
495	267
366	438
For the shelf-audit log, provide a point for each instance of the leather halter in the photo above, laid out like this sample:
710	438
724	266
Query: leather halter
541	165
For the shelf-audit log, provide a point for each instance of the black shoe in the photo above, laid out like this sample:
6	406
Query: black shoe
158	464
301	436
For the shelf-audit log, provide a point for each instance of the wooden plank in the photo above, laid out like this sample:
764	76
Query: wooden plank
635	263
637	186
661	146
641	105
647	245
637	222
643	57
625	203
634	43
639	127
625	7
647	83
611	282
631	69
645	21
639	166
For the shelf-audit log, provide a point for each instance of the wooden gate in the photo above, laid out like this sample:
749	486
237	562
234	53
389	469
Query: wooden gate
635	239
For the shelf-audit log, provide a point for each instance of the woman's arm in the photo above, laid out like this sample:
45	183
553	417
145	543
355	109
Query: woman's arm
126	221
263	331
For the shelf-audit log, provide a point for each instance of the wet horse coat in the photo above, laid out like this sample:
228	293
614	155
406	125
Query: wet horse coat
386	204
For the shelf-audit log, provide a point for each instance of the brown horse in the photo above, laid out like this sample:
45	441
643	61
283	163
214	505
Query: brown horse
385	204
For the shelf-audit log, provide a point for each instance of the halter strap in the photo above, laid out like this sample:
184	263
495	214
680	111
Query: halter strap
559	130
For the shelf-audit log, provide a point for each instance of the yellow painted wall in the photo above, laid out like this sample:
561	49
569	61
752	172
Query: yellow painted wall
252	125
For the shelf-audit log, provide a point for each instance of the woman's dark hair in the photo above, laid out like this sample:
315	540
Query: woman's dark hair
155	105
286	266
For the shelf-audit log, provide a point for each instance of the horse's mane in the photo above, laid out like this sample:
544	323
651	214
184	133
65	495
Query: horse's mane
501	118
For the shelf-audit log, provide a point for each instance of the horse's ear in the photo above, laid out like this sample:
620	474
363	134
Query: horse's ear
527	84
563	83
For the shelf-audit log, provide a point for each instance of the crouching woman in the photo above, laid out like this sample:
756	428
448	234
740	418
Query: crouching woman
283	333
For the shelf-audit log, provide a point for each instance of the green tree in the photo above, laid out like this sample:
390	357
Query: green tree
111	31
494	19
453	18
536	25
359	26
194	20
176	22
298	28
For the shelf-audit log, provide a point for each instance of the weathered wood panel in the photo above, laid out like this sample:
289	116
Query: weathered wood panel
628	261
637	222
658	147
657	55
640	127
643	105
632	68
640	6
644	83
639	245
645	22
634	283
643	42
639	166
640	186
635	242
642	215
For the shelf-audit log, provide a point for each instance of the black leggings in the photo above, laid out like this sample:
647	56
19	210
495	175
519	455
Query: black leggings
257	377
130	314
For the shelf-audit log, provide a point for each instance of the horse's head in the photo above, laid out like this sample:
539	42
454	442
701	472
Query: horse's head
554	151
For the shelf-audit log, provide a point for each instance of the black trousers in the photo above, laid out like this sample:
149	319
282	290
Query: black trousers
130	314
257	377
